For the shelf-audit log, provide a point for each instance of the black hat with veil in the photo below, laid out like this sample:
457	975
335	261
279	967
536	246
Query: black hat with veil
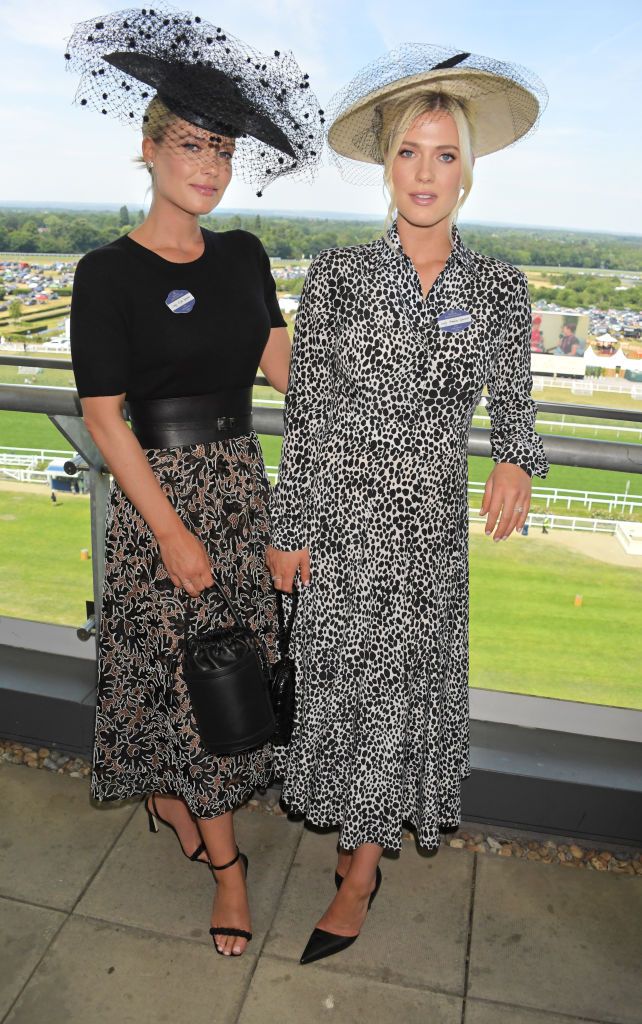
206	77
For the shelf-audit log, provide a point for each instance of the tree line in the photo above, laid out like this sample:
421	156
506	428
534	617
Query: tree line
588	291
34	231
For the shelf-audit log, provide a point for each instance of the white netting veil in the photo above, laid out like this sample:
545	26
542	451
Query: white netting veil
503	101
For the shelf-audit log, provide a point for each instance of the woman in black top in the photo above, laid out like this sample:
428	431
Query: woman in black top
179	315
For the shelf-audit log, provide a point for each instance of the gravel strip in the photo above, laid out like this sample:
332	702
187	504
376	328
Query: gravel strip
625	861
44	757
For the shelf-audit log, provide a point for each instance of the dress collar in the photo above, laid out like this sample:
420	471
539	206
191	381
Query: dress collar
389	247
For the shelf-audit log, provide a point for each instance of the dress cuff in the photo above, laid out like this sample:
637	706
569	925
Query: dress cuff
527	453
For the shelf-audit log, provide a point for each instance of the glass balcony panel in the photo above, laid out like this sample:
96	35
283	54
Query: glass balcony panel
45	545
555	611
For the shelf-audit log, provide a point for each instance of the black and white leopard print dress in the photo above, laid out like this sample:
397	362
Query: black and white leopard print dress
373	480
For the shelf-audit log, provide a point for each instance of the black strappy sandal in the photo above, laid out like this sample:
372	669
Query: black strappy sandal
237	932
153	818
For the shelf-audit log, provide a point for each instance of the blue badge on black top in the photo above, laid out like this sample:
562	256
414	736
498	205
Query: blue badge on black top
180	301
453	320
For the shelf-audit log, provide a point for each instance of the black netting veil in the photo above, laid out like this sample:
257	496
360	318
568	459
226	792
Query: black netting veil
205	77
504	102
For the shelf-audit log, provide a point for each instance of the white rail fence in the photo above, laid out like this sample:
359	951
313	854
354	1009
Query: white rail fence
28	465
555	495
554	522
585	427
567	496
587	385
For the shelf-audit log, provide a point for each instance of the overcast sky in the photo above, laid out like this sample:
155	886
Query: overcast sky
582	169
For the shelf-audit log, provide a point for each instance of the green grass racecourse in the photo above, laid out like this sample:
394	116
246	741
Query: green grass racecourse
527	636
42	576
30	430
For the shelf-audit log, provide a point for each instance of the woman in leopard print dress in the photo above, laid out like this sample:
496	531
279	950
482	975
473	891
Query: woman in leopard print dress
394	343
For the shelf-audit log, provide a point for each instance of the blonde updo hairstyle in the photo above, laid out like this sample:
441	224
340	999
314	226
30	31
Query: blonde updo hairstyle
396	118
156	121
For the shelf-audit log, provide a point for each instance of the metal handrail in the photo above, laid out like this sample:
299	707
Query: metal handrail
36	398
564	451
598	412
46	364
590	411
41	363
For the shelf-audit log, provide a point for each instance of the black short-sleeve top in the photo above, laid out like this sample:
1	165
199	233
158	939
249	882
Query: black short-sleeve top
149	328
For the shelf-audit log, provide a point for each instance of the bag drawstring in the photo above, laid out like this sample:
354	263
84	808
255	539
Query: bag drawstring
258	641
285	631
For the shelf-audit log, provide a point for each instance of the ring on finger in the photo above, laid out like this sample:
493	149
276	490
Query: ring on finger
519	508
277	579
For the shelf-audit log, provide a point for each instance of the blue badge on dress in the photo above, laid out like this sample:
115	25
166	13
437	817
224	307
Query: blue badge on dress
180	301
453	320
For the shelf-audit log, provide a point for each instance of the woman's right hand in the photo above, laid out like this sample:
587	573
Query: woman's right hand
186	561
284	565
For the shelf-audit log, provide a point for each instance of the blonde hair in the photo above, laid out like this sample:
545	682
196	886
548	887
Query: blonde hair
156	120
397	117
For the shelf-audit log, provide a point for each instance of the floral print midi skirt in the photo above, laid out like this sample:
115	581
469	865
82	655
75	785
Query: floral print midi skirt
146	737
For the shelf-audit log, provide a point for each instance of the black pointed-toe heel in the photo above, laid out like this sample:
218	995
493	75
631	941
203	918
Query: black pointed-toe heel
237	932
338	879
321	943
153	818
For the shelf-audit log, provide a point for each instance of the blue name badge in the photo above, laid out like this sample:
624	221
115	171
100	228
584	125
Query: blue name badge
453	320
180	301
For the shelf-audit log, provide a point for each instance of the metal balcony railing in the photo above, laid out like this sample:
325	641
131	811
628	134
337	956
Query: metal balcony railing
62	406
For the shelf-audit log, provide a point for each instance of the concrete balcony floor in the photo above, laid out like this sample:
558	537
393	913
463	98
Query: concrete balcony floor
101	922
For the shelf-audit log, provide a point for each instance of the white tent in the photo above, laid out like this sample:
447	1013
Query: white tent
616	361
591	358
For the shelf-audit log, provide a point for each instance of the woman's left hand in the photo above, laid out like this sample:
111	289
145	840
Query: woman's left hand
508	491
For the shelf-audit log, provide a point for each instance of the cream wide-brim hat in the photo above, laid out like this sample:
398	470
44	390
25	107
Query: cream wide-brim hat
503	101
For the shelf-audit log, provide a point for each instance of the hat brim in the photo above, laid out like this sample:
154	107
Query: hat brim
490	98
204	96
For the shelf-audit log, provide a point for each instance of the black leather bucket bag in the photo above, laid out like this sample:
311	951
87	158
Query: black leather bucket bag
227	677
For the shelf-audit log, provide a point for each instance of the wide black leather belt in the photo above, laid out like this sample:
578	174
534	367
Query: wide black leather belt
196	419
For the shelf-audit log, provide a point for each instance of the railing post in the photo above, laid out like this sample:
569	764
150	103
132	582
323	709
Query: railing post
75	431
